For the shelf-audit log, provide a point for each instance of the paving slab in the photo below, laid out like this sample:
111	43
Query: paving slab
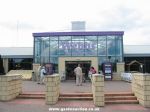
70	86
38	105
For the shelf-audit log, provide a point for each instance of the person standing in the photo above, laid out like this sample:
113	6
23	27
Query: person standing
91	71
78	73
42	75
38	75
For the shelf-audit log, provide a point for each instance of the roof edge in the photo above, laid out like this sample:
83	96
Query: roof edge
77	33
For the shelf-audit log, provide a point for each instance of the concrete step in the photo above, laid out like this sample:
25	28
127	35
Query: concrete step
109	98
63	96
122	102
31	97
76	95
32	93
120	98
119	94
75	98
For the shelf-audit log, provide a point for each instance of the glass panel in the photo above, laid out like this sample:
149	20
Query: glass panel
77	37
91	48
65	38
56	68
65	48
111	45
77	48
54	48
45	50
37	38
37	52
102	45
102	59
119	46
119	59
90	38
111	59
53	37
44	38
54	60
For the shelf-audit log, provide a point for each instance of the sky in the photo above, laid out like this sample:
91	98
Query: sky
20	18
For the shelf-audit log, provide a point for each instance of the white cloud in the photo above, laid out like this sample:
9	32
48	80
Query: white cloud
20	18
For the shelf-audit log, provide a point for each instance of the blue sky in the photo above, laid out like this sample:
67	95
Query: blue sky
20	18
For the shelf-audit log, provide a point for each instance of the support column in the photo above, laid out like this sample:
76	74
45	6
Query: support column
120	67
10	87
141	88
5	64
98	89
36	70
52	88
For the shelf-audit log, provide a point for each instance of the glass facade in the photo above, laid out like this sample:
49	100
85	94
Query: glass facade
48	47
20	63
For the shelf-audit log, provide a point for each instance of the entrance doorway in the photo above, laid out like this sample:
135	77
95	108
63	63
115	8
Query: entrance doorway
71	65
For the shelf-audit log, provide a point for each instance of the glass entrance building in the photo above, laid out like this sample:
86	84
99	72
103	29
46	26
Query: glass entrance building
49	46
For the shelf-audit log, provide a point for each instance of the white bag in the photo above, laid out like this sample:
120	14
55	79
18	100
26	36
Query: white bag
90	74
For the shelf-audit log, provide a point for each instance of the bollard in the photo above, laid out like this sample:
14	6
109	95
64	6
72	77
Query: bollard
33	76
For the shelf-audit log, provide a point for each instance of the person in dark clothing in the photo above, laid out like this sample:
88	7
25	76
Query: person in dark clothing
49	69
